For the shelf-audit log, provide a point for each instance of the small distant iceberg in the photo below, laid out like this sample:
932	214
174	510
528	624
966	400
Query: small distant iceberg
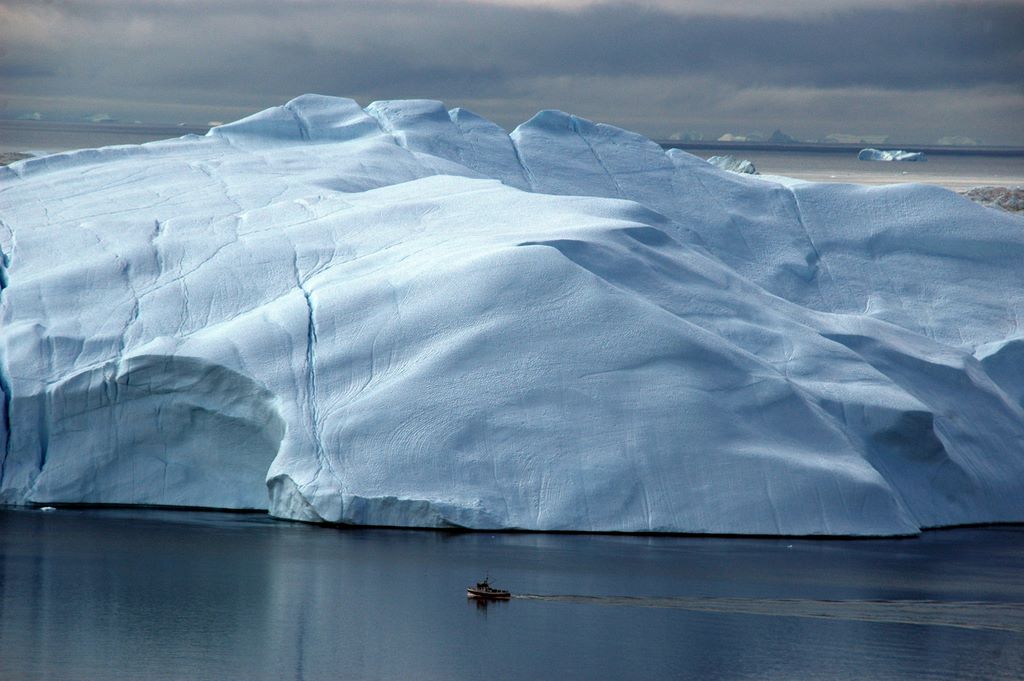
733	164
890	155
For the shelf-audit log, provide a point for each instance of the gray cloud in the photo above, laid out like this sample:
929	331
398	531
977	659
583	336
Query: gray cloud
609	61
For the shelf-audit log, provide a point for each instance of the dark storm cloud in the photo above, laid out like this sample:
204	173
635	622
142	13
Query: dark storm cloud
359	45
261	52
920	47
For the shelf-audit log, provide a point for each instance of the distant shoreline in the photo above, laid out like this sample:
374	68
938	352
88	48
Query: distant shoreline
829	148
50	137
111	127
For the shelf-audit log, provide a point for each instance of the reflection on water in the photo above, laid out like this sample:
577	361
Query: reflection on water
482	604
159	595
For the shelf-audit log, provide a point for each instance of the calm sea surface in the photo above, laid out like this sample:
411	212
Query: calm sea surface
134	594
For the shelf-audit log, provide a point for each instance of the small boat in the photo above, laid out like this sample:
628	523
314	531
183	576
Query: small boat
486	591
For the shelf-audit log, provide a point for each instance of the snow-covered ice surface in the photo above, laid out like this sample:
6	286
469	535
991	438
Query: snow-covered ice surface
890	155
401	315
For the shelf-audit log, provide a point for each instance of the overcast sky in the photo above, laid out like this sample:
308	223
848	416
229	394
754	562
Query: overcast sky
914	70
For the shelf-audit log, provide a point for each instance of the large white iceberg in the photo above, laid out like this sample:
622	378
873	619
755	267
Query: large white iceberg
402	315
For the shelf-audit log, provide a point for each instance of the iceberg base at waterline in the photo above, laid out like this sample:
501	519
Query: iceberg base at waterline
402	315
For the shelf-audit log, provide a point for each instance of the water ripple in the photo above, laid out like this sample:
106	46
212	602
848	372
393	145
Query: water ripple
961	614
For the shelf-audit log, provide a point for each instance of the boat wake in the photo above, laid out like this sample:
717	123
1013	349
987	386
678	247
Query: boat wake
960	614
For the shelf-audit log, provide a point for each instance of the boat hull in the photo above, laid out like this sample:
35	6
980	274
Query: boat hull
489	595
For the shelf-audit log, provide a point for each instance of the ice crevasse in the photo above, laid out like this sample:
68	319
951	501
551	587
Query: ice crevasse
402	315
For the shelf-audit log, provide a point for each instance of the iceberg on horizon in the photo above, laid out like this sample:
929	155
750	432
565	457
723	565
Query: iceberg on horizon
890	155
402	315
744	167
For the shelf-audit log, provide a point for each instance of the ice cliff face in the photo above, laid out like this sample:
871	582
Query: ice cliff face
402	315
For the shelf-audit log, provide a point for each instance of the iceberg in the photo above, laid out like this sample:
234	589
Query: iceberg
890	155
401	315
734	164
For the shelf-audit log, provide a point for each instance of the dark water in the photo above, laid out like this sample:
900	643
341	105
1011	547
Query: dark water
161	595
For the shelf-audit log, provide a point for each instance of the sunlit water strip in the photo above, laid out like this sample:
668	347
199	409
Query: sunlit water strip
960	614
